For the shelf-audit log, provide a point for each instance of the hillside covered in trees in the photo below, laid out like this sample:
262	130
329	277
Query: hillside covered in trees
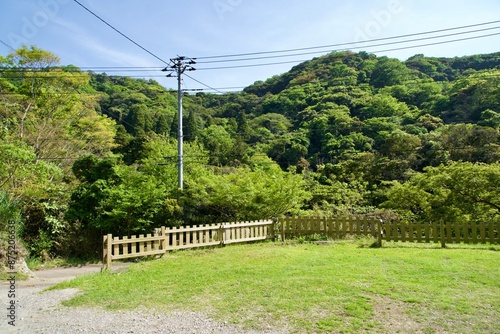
83	154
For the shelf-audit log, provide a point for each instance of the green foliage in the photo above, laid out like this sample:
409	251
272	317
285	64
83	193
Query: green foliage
460	192
22	175
85	153
264	191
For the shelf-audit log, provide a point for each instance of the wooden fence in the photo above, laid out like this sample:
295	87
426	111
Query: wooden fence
469	233
167	239
334	228
339	227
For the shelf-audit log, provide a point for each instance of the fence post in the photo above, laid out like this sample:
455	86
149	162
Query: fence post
380	232
222	234
164	240
107	251
104	252
283	229
443	245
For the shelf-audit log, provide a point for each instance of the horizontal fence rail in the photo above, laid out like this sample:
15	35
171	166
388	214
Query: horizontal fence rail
167	239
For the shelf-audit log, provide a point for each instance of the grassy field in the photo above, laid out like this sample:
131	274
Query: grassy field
341	287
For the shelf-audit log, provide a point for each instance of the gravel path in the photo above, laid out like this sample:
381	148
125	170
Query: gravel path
42	312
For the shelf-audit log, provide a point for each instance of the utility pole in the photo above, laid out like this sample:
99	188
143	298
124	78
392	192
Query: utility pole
176	68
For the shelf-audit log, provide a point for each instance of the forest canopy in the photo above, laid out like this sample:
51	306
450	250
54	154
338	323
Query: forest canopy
85	154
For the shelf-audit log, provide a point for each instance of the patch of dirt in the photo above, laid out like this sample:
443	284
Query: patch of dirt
393	316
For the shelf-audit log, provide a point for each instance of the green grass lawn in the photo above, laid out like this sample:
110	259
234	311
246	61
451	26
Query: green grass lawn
338	287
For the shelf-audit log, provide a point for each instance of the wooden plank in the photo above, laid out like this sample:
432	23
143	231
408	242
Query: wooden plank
395	232
331	228
193	236
496	238
345	226
373	227
249	230
156	244
427	234
187	238
483	232
138	238
133	243
474	232
387	231
449	232
174	241
141	243
237	232
284	228
109	244
360	226
253	223
235	241
466	232
180	237
116	247
337	228
129	256
402	231
148	243
491	234
125	246
179	247
197	228
164	239
435	235
419	232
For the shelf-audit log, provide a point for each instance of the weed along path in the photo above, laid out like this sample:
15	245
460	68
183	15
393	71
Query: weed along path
38	310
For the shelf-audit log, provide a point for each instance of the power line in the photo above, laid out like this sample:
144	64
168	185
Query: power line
377	51
344	44
7	45
201	83
118	31
357	47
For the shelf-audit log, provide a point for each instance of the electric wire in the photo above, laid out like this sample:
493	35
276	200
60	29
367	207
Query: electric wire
343	44
377	51
7	45
137	69
201	83
151	68
350	48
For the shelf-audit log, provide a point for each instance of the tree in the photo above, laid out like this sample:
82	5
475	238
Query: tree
192	129
459	192
389	72
219	143
264	191
24	177
46	110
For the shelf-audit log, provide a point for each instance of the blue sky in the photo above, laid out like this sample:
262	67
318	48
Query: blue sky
200	28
